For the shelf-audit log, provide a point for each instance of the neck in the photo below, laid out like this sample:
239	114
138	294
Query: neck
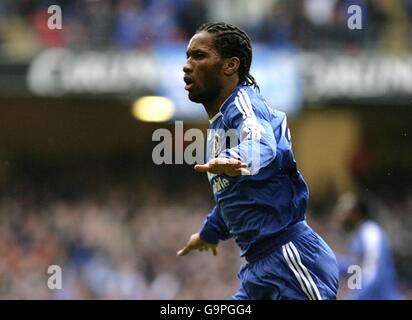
212	107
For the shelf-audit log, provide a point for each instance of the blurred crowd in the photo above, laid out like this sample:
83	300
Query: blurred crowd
113	246
139	24
122	244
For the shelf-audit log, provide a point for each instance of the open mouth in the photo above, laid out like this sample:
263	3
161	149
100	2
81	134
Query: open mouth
189	82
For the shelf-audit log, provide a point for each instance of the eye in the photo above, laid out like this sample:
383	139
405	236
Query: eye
198	55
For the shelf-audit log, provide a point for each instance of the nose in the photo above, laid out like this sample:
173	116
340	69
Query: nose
187	68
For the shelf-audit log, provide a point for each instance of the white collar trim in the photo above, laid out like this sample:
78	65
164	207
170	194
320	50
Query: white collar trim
217	115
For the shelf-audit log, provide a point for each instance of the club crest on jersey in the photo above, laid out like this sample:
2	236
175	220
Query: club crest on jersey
217	148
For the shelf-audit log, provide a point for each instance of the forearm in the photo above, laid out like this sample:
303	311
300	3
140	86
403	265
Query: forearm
214	228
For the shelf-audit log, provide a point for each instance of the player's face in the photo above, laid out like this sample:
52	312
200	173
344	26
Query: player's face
203	69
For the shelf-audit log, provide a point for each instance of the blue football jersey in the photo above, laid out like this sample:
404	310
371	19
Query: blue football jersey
260	206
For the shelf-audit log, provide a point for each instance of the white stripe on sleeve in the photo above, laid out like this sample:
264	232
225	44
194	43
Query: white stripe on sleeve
238	106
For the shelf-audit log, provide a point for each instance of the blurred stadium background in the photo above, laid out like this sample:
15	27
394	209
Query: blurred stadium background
79	189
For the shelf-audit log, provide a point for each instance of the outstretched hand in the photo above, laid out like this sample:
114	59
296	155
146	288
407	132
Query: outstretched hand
196	243
230	167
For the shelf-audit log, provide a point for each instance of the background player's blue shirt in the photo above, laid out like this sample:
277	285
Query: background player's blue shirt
253	207
370	249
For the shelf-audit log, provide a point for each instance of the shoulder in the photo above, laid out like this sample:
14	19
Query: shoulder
247	103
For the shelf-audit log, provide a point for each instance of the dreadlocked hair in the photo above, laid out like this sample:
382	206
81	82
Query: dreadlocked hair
232	41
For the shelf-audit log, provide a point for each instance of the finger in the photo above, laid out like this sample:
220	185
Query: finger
234	162
241	171
217	161
202	167
183	251
244	171
238	164
223	161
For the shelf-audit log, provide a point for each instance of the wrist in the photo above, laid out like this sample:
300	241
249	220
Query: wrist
209	235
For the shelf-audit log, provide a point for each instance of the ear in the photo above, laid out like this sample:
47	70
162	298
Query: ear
231	66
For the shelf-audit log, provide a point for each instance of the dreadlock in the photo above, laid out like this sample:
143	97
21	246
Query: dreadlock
232	41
